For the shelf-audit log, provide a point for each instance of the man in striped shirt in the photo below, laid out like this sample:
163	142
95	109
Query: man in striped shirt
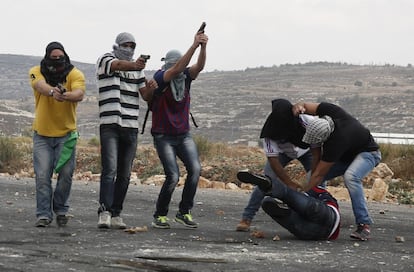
120	81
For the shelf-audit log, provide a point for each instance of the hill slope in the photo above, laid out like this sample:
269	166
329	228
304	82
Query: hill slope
231	106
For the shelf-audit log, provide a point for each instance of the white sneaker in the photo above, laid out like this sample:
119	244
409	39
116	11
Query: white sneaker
117	223
104	221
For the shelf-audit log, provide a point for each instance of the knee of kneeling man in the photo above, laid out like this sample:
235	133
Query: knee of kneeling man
350	177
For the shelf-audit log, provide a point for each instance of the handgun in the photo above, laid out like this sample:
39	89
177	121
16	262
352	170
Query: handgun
201	29
62	88
145	57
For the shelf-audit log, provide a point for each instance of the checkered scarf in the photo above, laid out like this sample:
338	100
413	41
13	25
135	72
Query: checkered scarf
318	130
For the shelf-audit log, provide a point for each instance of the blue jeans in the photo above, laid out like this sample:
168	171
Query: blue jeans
168	148
118	149
307	218
257	195
353	173
46	153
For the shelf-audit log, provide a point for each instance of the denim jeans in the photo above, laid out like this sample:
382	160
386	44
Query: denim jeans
307	218
118	149
257	195
168	148
46	153
353	173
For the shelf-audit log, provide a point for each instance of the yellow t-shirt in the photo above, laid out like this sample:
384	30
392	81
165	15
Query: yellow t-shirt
53	118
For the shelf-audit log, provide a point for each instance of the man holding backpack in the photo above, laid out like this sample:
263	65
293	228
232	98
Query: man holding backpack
170	107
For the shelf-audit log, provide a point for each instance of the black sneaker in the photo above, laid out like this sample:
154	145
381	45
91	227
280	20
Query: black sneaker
161	222
185	219
62	220
275	207
362	233
262	182
42	223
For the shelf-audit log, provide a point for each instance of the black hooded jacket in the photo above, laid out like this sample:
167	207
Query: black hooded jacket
281	124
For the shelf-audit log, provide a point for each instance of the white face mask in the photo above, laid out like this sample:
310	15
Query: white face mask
124	53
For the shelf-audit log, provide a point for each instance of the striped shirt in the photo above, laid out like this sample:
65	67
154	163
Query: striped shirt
118	93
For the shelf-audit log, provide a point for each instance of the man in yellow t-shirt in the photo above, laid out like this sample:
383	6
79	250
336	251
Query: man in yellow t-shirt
57	87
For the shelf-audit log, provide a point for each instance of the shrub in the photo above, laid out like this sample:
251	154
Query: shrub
399	159
203	145
10	155
94	141
147	163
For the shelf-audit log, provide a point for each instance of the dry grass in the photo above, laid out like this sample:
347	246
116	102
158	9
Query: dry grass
400	159
220	162
15	154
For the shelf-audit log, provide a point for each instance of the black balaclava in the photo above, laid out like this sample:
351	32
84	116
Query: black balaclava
55	70
281	124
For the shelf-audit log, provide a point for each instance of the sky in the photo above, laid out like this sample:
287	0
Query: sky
242	33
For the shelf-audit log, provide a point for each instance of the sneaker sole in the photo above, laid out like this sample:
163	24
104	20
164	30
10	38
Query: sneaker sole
183	223
358	238
160	227
242	229
103	226
247	177
118	227
42	225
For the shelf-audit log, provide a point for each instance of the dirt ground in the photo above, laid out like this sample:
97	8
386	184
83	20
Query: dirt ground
214	246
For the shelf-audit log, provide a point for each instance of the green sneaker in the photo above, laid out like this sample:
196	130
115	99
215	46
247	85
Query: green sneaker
161	222
186	219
